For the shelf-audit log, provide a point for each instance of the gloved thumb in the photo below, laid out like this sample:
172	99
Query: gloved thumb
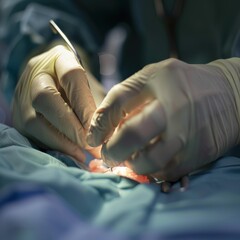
121	100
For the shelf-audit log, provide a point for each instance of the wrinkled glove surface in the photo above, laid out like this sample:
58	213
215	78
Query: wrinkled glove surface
53	103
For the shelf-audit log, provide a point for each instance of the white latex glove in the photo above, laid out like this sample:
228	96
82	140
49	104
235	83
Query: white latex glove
53	103
170	118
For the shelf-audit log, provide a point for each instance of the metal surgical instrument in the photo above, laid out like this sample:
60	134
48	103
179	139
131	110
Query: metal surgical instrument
58	31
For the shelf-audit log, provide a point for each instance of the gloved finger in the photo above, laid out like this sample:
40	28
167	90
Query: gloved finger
184	183
121	100
166	187
48	135
47	100
97	89
72	78
135	134
159	157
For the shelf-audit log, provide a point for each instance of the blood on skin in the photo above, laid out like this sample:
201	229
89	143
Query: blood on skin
97	165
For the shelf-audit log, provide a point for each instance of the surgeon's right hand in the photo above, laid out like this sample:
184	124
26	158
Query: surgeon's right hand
170	118
53	104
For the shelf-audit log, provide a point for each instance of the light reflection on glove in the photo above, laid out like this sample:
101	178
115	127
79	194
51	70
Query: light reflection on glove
53	104
175	118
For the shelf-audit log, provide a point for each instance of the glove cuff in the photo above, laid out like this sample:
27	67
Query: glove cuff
231	69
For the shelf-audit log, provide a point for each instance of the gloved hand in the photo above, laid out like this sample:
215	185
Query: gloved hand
170	118
53	103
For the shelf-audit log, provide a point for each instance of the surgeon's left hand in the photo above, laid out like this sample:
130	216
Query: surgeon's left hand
53	103
170	118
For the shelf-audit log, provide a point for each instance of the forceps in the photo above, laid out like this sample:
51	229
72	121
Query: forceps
57	30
